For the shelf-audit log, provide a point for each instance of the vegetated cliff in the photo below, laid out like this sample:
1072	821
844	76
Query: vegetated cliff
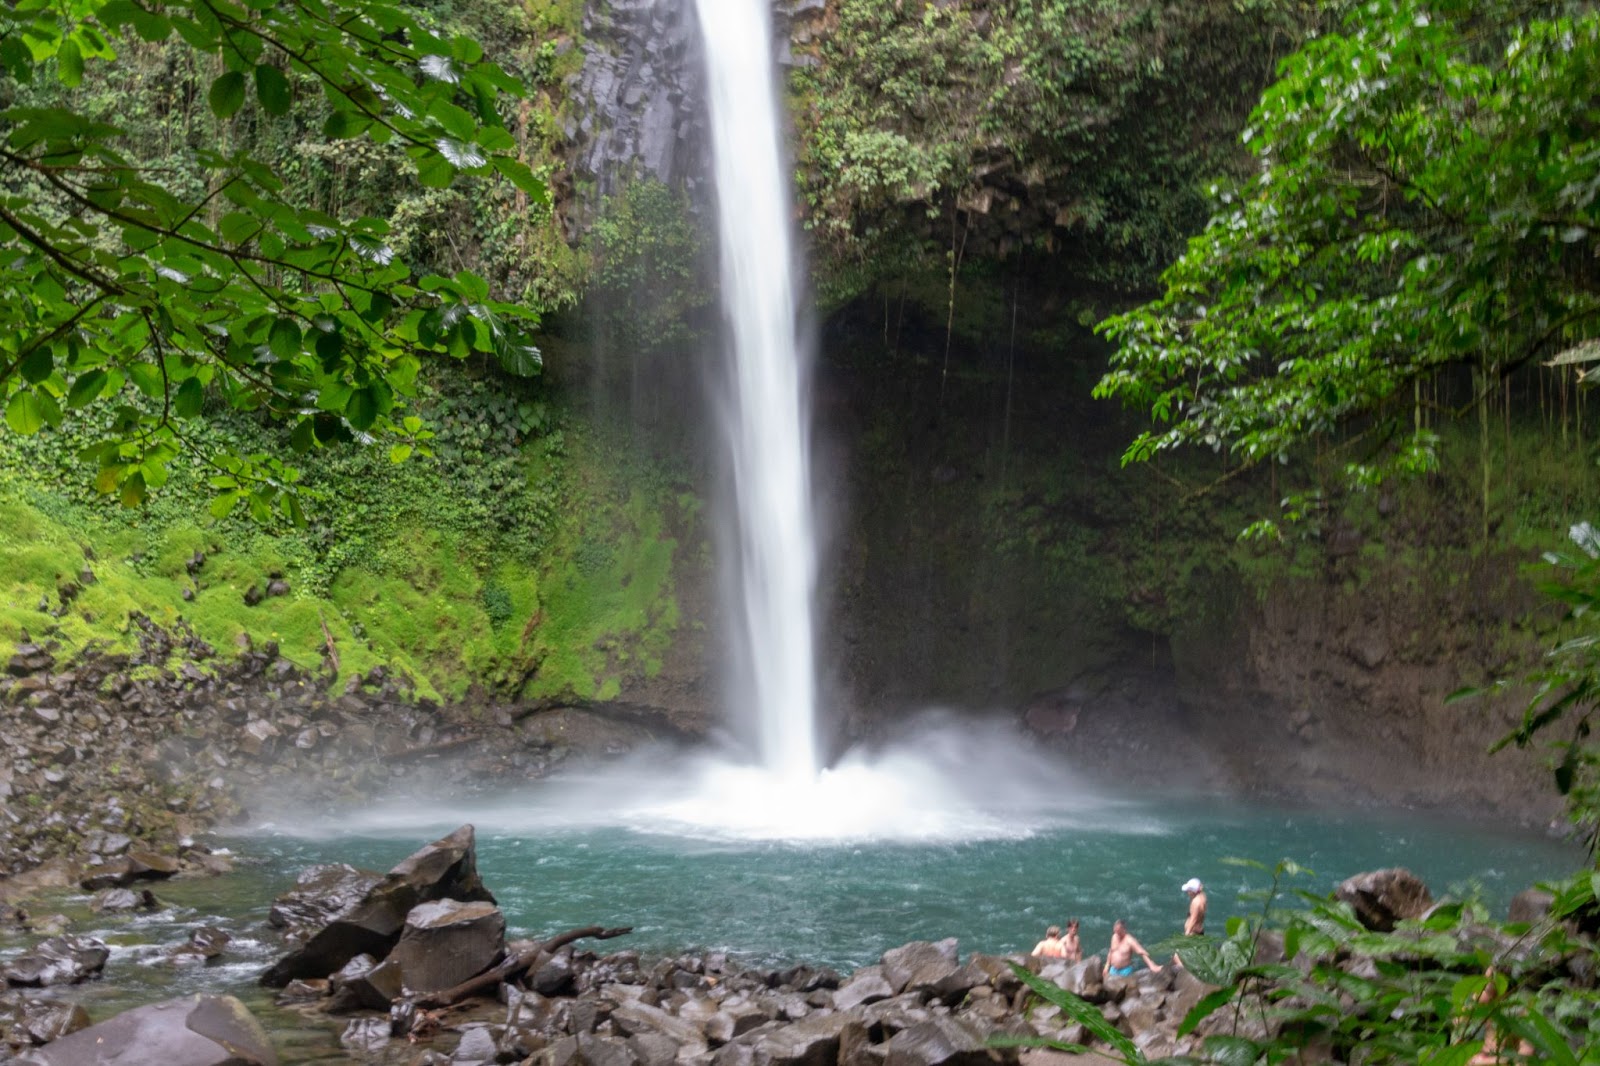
991	553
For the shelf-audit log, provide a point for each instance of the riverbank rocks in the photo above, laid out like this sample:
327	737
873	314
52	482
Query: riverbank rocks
60	960
192	1031
1383	898
28	1021
447	941
443	870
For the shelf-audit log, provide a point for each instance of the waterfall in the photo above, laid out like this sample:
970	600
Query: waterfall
765	418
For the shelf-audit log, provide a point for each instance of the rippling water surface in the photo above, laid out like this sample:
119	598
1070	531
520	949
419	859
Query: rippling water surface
838	903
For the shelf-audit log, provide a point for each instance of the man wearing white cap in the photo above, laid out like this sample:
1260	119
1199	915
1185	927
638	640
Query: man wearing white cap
1196	923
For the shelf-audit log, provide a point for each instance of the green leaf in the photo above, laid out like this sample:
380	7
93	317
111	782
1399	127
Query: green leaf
69	63
1207	1006
362	408
227	94
189	398
399	453
223	505
1082	1012
147	378
39	364
345	124
272	89
520	175
132	489
24	413
284	339
1232	1050
87	388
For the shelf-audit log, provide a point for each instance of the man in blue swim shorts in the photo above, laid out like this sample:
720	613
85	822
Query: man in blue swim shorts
1119	956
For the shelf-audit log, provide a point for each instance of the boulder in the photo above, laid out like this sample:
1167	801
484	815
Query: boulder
366	1035
812	1041
1085	979
194	1030
320	894
446	941
1530	905
939	1041
205	943
1383	898
27	1021
733	1020
920	965
653	1049
476	1047
632	1019
867	985
444	869
603	1051
60	960
554	976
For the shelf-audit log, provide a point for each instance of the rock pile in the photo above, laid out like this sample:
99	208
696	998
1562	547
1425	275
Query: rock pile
108	759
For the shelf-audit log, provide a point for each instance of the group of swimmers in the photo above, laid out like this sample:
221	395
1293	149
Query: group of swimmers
1124	945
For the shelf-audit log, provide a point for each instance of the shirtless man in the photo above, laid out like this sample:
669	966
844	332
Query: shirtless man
1119	956
1051	947
1070	942
1195	925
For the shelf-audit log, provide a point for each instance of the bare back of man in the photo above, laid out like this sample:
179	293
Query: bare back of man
1052	946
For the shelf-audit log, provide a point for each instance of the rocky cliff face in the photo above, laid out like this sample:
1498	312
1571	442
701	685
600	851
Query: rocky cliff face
639	100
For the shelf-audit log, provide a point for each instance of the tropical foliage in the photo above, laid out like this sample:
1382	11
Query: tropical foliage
130	300
1425	200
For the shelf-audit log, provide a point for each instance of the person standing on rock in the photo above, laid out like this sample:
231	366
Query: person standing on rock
1071	945
1195	924
1051	946
1119	956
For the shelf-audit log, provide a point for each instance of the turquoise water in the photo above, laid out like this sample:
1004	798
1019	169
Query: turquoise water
772	903
842	905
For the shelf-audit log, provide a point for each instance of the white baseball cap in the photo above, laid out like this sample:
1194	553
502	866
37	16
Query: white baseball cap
1193	885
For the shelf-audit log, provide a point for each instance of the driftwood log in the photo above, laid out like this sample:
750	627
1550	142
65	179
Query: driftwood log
514	965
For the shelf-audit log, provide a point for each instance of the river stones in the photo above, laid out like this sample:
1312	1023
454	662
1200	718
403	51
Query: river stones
446	941
920	965
869	985
191	1031
939	1041
27	1021
60	960
320	894
1383	898
444	869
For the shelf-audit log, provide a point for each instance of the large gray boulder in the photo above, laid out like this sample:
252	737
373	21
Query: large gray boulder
26	1021
1383	898
920	965
447	941
61	960
192	1031
445	869
940	1041
812	1041
320	894
866	985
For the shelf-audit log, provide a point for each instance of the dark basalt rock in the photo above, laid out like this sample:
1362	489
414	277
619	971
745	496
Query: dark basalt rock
920	965
320	894
446	941
939	1041
191	1031
28	1021
445	869
1382	898
61	960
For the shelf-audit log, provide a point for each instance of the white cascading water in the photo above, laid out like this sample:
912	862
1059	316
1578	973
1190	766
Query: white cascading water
766	425
937	777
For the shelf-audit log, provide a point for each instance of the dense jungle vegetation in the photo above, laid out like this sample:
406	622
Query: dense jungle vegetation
276	281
